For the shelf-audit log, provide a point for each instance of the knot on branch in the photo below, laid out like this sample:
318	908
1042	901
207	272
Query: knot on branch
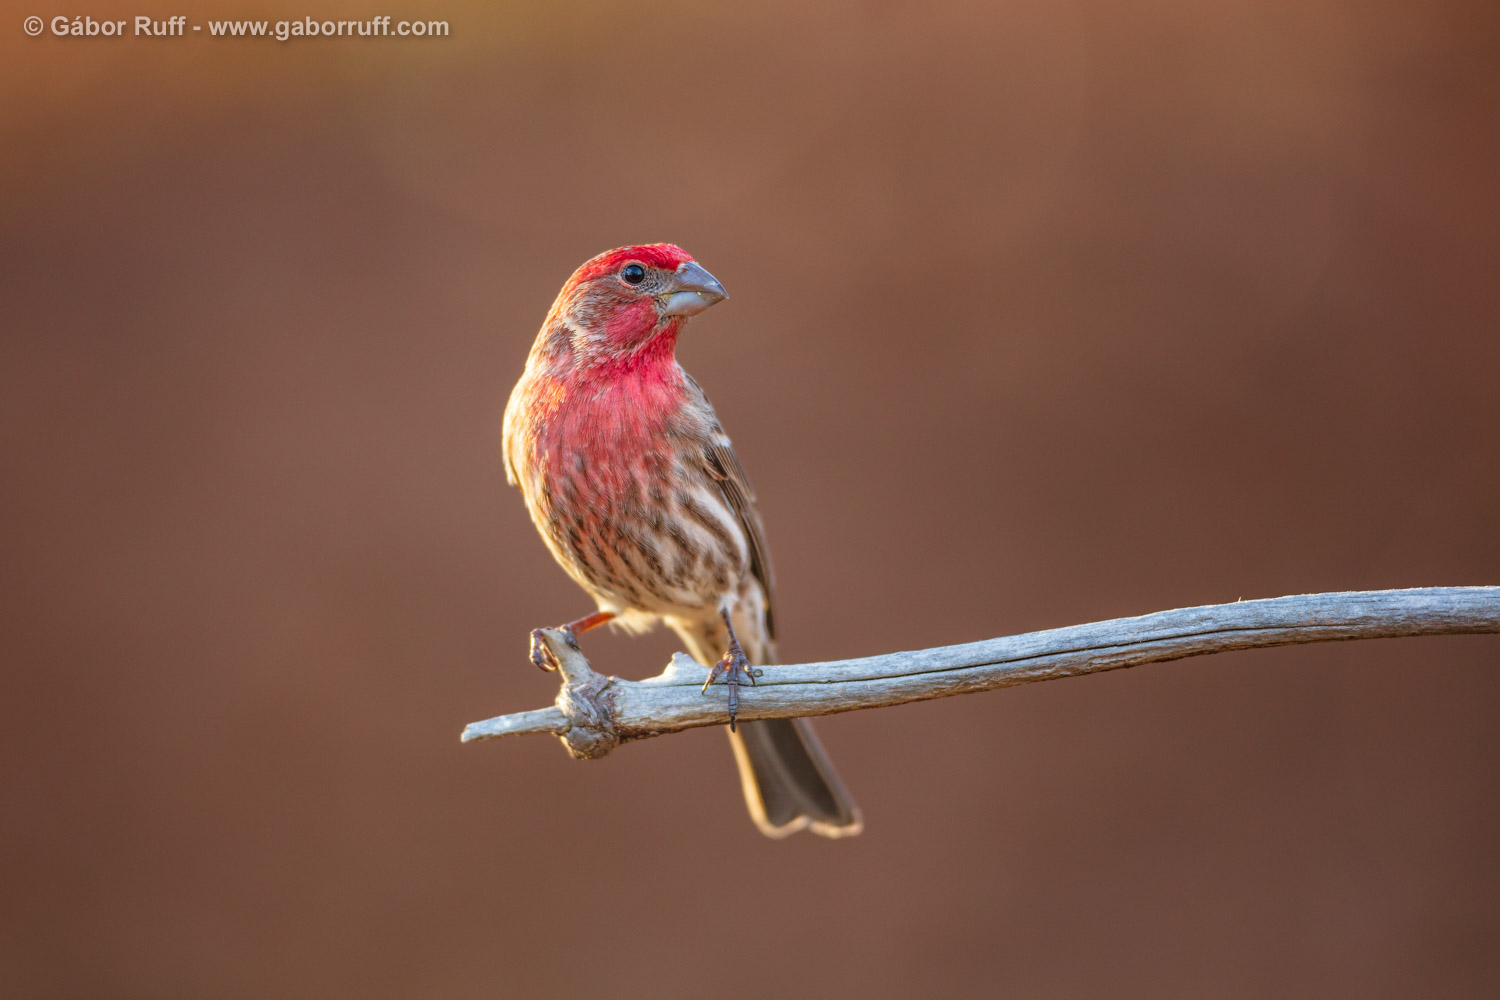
586	699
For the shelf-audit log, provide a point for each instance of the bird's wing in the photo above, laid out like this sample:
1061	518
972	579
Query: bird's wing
725	469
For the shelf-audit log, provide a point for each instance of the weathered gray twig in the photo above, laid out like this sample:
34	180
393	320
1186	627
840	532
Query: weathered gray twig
595	713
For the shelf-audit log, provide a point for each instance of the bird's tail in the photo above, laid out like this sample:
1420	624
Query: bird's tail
788	780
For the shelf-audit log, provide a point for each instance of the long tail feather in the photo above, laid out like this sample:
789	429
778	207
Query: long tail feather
788	780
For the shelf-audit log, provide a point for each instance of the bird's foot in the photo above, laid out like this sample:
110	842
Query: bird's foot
732	665
541	655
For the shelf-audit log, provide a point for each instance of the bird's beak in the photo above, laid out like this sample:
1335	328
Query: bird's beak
691	290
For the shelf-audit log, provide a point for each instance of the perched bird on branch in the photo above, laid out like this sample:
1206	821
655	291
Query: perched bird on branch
635	489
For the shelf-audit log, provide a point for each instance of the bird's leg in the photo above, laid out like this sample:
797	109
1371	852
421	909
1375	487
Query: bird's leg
732	664
542	656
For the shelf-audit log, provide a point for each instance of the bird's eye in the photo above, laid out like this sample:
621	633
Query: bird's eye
633	273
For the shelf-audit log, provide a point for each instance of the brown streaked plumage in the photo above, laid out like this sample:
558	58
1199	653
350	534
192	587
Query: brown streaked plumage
636	490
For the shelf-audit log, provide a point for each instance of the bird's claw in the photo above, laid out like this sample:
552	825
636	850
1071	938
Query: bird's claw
541	655
732	665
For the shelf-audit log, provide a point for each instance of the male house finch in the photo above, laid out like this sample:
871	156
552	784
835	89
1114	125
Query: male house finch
633	485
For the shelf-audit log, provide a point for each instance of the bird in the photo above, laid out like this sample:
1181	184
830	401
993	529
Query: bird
634	487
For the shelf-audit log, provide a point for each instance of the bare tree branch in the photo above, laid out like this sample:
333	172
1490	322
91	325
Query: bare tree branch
595	713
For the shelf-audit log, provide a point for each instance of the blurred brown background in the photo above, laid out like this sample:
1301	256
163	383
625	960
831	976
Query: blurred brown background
1043	313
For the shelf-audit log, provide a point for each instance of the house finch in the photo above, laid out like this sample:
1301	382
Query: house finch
634	487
